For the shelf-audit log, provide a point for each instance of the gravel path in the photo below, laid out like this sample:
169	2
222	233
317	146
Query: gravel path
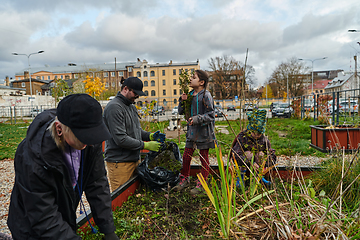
7	174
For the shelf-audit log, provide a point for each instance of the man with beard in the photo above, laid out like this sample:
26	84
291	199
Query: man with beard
122	151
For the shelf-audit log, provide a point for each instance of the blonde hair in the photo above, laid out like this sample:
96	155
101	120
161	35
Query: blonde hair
59	141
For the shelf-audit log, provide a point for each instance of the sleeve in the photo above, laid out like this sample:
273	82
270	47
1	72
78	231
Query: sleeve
98	194
238	151
42	212
115	120
271	161
209	114
145	136
181	107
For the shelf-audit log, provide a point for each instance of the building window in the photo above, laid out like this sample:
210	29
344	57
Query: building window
43	78
112	74
62	76
145	74
129	69
163	72
174	71
38	77
121	74
138	74
174	91
23	84
146	93
164	82
164	92
180	70
106	74
152	73
181	92
175	101
106	84
145	83
153	83
55	77
192	71
321	91
48	77
174	81
152	93
76	76
112	84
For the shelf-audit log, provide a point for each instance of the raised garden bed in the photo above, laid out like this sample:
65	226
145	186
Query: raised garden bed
327	139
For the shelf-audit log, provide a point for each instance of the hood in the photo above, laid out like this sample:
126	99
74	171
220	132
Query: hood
42	148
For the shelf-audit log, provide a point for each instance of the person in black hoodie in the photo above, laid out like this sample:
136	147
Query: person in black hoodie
60	158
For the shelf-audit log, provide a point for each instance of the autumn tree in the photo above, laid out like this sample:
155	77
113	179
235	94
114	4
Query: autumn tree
267	93
290	73
94	86
228	76
60	89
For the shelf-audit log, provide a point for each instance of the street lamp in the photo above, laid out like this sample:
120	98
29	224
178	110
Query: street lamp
312	70
28	56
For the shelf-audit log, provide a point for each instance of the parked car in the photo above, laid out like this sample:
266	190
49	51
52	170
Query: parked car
175	110
345	107
158	110
282	110
309	105
231	108
34	112
249	107
273	105
218	111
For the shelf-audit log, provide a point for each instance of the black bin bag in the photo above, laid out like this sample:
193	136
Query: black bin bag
161	169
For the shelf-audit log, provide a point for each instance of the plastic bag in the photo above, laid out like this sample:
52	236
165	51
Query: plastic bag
156	177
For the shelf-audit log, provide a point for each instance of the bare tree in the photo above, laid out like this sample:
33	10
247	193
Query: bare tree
289	74
228	76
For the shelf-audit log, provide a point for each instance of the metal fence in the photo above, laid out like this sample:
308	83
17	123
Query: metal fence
341	107
13	113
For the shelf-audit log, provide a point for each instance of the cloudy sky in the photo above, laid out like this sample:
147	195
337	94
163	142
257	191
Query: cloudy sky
93	31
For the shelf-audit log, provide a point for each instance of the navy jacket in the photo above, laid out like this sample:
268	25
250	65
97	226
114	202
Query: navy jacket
43	201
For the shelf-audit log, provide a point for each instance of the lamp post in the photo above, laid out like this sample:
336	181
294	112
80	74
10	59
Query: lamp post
28	56
312	70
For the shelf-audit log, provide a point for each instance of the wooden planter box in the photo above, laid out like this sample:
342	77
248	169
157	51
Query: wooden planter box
342	136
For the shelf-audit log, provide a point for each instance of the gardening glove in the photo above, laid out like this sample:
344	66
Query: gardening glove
111	236
157	136
152	146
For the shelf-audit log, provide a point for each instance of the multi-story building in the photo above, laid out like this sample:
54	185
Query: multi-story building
161	80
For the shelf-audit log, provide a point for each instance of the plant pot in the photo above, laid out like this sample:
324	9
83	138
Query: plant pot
340	137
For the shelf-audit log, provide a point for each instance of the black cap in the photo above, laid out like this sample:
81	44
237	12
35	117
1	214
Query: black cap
135	84
83	115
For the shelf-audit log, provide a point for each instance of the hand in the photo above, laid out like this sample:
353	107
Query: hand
184	96
111	236
158	136
190	121
152	146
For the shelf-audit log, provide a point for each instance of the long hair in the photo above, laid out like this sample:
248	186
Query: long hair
59	141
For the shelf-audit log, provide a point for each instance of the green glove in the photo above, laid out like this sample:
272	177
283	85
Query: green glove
152	146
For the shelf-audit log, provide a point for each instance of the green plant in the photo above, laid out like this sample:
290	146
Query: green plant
10	138
184	81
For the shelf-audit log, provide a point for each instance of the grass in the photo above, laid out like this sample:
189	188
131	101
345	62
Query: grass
287	136
10	137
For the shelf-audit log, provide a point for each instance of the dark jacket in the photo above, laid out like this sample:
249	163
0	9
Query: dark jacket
122	120
43	201
245	142
201	133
